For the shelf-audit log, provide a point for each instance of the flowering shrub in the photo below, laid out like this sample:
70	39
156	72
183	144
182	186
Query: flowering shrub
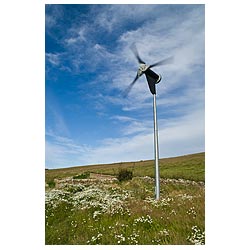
54	197
103	201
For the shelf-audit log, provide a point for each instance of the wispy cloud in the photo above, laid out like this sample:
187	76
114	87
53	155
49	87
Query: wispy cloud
55	115
180	136
54	59
52	15
76	36
63	151
133	126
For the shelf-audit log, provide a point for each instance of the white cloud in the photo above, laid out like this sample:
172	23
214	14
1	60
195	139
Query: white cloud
52	15
55	114
50	21
184	40
112	17
77	36
176	137
122	118
133	126
63	152
53	58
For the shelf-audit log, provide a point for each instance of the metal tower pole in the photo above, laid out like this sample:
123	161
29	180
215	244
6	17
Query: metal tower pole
157	172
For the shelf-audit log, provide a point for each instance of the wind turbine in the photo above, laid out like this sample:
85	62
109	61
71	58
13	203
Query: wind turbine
152	79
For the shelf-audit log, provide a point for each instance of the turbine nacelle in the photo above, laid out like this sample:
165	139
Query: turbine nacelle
159	78
143	69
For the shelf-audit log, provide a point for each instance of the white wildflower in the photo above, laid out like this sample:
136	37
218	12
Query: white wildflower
185	197
192	212
159	203
197	237
164	232
120	238
143	219
173	212
95	239
96	213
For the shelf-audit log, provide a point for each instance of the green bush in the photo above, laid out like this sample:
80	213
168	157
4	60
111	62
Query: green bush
124	175
82	176
51	183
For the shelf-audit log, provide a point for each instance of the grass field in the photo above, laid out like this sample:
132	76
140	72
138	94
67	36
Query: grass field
98	209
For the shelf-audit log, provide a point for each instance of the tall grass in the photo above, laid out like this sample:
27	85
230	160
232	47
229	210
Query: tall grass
125	213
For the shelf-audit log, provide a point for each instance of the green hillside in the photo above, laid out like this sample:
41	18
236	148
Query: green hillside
190	167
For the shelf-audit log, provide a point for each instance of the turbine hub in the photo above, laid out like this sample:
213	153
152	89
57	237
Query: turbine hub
142	68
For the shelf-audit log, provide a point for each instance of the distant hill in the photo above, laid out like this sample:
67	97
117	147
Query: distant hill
191	167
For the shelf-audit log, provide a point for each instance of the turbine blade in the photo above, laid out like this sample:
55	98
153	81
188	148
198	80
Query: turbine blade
127	90
135	51
163	62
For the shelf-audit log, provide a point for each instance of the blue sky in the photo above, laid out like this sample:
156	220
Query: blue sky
89	65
